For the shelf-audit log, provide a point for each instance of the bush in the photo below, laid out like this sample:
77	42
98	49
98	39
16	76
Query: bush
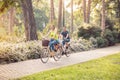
116	35
81	45
102	42
15	52
109	24
87	31
10	52
108	34
119	37
93	41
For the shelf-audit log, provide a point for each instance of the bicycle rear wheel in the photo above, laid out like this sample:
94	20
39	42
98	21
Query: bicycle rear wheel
67	51
58	54
45	55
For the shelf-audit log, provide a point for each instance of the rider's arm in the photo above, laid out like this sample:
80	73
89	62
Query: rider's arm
67	35
46	36
41	34
61	36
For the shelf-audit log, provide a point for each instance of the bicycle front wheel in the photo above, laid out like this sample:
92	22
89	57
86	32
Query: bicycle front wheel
45	55
58	54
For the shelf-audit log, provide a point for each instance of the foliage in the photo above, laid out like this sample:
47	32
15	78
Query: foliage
116	35
109	36
41	13
88	30
81	45
102	42
109	24
15	52
19	31
116	32
41	19
17	36
106	68
93	41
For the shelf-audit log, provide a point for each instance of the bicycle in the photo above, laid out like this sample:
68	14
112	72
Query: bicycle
46	52
66	49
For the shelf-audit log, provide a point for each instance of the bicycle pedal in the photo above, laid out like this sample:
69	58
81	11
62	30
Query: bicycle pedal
63	53
55	50
66	47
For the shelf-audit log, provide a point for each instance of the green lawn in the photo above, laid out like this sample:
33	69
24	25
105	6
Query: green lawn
106	68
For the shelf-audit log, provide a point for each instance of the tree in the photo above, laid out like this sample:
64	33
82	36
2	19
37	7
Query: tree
11	20
88	12
60	14
52	13
41	11
84	10
29	21
103	16
63	14
71	16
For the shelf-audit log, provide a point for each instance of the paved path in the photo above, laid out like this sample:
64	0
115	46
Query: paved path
15	70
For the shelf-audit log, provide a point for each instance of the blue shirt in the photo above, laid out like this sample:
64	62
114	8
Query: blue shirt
64	34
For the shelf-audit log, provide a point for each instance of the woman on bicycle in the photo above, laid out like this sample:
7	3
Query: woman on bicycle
53	39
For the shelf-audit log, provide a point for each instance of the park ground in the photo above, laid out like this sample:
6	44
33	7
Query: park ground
106	68
100	67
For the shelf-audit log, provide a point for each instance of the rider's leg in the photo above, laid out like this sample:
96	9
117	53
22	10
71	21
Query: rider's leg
63	43
56	44
51	47
66	41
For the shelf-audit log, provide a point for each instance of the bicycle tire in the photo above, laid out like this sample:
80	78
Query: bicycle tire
67	51
58	54
45	55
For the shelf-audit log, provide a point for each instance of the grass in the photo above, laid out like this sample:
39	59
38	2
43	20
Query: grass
106	68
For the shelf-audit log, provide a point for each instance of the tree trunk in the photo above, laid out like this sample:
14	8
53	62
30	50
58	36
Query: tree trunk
60	14
84	10
88	12
103	16
11	20
63	14
52	13
71	16
29	20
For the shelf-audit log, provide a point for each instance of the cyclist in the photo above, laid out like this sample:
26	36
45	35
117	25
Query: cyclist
53	44
65	36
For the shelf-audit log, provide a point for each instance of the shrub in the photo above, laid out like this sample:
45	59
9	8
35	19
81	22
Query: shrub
93	41
81	45
87	31
102	42
116	35
16	52
109	24
119	37
109	36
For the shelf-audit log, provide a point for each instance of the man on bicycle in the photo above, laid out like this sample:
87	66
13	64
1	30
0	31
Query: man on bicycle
65	36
